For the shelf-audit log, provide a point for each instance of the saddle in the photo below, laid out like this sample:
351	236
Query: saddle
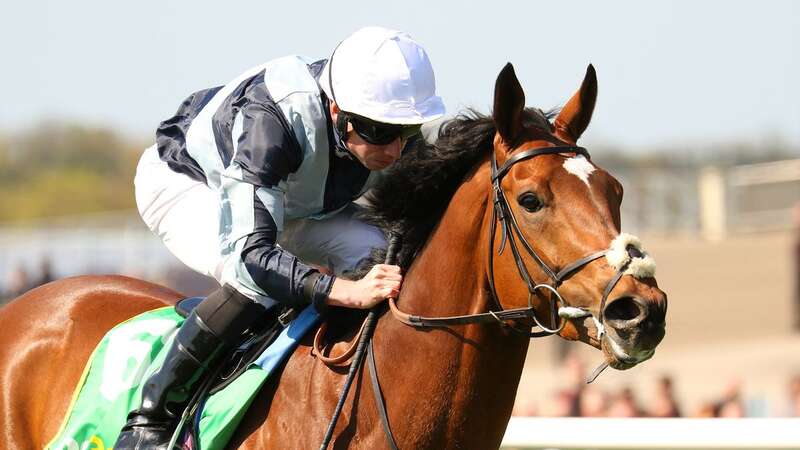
344	327
254	342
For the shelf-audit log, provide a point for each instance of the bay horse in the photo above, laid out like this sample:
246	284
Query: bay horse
446	386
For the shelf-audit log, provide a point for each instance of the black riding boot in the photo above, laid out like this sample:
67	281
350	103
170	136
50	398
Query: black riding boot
195	349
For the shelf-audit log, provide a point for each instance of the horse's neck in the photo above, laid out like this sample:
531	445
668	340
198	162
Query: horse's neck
468	375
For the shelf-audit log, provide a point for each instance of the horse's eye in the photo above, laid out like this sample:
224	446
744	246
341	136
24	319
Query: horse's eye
530	202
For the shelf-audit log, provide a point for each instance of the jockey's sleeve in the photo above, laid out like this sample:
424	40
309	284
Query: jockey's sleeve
281	275
267	153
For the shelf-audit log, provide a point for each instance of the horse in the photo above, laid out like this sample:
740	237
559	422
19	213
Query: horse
444	386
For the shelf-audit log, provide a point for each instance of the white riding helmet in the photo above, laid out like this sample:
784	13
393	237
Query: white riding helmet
382	75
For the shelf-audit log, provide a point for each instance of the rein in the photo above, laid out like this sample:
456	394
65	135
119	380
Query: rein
364	340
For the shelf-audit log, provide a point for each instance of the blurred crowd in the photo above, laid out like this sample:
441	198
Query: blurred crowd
578	399
796	262
20	280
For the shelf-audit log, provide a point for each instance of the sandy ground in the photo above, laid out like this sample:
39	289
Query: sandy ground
729	320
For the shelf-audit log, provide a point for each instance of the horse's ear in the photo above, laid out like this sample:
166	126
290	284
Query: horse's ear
509	103
575	116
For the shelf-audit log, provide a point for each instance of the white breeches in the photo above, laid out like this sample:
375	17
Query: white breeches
185	214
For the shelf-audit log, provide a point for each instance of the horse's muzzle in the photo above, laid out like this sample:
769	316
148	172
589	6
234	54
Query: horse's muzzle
634	327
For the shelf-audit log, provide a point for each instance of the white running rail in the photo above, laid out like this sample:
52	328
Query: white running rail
589	433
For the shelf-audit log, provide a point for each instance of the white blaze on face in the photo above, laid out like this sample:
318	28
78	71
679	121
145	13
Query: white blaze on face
580	167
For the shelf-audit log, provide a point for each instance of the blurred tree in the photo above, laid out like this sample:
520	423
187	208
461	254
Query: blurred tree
60	169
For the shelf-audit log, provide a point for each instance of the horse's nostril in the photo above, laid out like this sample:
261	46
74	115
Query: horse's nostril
623	309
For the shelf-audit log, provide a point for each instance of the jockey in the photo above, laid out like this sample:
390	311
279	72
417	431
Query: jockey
252	182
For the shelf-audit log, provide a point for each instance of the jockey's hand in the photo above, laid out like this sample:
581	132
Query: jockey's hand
381	282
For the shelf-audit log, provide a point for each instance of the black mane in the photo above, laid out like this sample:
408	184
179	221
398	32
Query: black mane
413	196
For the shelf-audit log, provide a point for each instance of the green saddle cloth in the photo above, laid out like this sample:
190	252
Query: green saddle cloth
111	386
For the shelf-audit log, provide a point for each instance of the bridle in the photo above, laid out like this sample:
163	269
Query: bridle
503	214
511	232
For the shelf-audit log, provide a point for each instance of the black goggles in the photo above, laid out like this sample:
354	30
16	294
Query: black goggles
380	133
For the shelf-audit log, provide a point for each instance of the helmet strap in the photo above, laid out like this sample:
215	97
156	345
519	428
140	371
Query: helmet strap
340	146
341	125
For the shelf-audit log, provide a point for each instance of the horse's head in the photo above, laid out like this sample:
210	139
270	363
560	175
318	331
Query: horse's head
568	211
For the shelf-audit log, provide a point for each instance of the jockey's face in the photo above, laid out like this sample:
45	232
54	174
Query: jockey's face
372	156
